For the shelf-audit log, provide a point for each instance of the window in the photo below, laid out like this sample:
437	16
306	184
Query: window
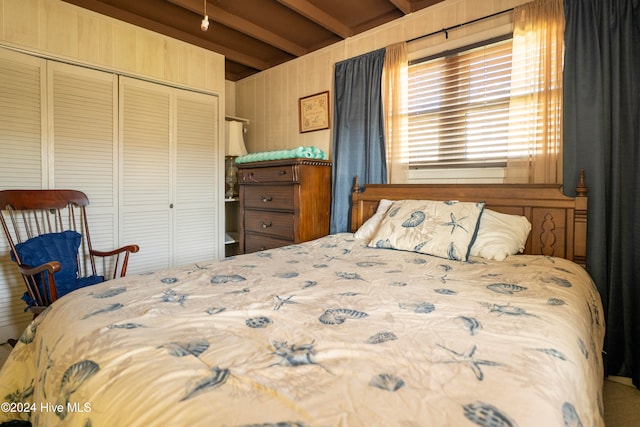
458	108
467	108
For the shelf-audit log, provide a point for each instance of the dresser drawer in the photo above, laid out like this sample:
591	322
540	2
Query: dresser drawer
268	197
278	224
271	174
259	242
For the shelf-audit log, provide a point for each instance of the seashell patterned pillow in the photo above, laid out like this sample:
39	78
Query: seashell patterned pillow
445	229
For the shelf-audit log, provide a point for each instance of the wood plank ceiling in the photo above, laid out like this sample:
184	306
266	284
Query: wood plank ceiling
255	35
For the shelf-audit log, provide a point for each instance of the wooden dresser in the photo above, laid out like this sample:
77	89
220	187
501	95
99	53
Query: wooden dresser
283	202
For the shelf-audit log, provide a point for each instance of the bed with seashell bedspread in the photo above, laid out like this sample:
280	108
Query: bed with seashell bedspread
332	332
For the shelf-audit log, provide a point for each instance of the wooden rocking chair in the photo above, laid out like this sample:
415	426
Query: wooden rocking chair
48	235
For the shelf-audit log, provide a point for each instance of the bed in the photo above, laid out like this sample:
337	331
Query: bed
338	331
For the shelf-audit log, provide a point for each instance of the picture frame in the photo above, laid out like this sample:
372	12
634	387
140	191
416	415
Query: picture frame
314	112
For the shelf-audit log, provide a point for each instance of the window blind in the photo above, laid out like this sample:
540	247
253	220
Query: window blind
464	109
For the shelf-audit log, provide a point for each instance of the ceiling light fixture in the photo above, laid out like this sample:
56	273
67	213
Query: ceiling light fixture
204	25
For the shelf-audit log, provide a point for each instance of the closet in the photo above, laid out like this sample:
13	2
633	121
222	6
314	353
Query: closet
169	186
146	154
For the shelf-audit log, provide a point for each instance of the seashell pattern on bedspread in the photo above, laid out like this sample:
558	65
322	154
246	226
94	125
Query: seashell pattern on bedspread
325	333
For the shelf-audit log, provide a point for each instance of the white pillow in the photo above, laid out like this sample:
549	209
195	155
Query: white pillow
370	226
500	235
440	228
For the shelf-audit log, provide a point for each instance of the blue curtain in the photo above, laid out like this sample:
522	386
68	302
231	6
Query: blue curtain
602	135
358	132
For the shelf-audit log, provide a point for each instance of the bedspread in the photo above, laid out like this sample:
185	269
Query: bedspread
324	333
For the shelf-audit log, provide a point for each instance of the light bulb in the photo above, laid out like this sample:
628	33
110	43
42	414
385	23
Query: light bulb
204	25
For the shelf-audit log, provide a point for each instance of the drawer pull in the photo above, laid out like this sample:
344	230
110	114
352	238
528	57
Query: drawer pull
266	199
249	177
265	225
282	172
263	248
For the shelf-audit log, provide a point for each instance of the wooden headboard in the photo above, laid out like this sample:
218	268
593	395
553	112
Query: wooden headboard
558	222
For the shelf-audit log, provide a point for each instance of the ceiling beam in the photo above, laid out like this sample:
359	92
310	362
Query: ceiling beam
242	25
404	5
421	4
313	13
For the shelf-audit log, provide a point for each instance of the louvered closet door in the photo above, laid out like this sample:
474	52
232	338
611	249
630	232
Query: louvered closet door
146	204
82	105
197	184
170	168
22	125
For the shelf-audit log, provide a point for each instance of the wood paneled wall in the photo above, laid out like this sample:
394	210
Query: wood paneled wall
64	31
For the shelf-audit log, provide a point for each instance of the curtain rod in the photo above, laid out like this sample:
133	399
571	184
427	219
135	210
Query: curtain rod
447	29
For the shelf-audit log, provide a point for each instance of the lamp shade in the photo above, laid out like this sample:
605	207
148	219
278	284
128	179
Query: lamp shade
234	133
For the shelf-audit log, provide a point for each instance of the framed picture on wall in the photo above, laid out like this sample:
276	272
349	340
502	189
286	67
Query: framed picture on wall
314	112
